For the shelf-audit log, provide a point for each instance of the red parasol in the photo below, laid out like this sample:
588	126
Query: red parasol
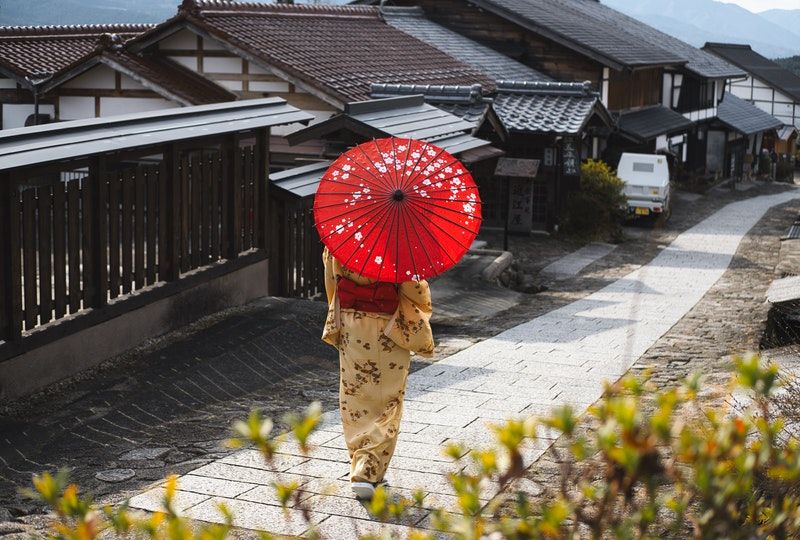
397	210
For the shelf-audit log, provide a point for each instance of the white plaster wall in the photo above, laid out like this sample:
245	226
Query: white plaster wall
7	83
264	86
14	115
188	61
98	77
110	106
236	86
762	94
75	107
222	65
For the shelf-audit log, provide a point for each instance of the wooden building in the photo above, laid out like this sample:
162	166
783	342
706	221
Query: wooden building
631	65
738	130
297	52
299	252
55	73
552	126
770	87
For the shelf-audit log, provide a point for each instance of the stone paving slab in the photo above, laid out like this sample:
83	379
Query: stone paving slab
590	340
572	264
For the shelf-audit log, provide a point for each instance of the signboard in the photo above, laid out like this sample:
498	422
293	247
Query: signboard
572	161
517	168
520	205
549	157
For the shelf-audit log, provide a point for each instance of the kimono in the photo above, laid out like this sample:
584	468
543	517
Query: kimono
374	358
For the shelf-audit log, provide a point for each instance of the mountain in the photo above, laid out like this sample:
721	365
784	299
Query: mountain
699	21
786	18
40	12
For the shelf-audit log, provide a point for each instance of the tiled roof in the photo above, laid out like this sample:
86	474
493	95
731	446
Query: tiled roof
549	108
412	20
169	78
406	116
39	51
698	60
300	181
745	117
584	25
338	50
466	102
759	66
647	124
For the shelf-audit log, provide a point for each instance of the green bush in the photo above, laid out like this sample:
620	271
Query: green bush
598	208
641	464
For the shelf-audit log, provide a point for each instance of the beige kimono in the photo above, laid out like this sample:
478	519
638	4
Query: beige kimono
374	359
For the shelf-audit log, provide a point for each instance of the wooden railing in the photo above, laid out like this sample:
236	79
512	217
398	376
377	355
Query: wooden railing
295	248
83	237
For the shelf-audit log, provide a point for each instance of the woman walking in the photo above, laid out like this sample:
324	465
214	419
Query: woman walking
375	326
391	213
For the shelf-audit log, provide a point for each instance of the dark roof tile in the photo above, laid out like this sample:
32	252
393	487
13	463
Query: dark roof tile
339	50
40	51
412	20
549	108
567	22
593	27
647	124
745	117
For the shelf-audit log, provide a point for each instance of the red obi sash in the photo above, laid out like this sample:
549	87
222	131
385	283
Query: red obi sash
380	297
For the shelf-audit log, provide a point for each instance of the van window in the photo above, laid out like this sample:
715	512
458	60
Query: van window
643	167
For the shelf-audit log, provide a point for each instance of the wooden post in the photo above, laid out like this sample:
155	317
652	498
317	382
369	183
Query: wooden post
274	245
10	278
96	282
262	178
169	215
232	185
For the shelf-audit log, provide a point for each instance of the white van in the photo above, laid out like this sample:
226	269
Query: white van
646	178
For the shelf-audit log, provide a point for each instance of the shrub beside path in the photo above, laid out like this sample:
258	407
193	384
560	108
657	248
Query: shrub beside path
560	357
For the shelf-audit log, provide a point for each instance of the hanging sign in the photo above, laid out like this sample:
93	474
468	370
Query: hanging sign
517	168
549	157
570	155
520	205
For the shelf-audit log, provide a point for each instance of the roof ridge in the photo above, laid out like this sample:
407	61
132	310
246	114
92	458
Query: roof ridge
72	29
546	87
403	10
461	93
198	7
727	45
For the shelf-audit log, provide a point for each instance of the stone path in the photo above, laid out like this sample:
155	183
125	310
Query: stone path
572	264
561	357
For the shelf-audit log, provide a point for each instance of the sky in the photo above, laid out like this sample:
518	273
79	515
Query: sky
763	5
